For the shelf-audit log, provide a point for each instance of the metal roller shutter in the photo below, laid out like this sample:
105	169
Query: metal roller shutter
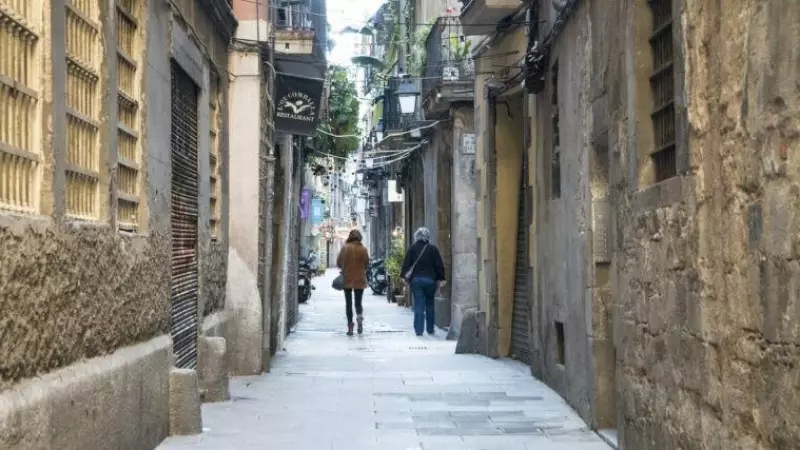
184	219
520	343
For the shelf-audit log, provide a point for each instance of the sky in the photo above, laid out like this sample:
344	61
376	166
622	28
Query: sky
352	13
343	13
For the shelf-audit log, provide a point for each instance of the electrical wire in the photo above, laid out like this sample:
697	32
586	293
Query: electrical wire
407	155
424	127
343	136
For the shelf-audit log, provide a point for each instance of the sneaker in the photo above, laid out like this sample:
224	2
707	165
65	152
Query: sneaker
360	321
350	329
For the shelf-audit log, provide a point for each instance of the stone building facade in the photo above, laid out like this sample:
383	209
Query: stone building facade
87	211
705	271
660	151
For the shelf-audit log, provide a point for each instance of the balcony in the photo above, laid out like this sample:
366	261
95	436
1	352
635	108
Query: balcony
480	17
294	28
393	118
449	70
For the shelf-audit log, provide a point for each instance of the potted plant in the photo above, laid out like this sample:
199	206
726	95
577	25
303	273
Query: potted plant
394	264
460	52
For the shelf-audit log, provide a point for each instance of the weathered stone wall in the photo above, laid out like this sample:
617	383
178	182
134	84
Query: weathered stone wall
464	280
444	194
73	292
564	226
707	264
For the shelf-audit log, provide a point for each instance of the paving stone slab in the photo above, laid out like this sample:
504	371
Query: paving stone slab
387	389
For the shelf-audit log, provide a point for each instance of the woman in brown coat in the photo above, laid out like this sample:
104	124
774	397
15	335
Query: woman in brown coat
353	260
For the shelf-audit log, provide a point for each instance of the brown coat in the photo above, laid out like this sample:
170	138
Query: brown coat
353	260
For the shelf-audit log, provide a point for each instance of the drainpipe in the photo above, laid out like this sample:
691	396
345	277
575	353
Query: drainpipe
266	298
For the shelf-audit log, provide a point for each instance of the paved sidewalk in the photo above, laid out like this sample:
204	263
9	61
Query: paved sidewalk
386	390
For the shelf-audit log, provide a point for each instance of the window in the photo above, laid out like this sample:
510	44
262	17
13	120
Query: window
555	163
216	185
84	55
128	94
662	85
20	108
561	352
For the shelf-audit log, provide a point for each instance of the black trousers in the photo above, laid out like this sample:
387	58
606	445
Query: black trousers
348	297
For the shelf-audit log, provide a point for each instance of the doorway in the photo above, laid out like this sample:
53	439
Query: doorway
183	217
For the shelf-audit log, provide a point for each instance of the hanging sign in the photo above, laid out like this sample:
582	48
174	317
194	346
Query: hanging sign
394	192
305	206
298	94
317	211
297	106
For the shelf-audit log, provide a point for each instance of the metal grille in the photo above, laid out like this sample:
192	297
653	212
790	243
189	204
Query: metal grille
184	219
555	164
214	162
84	55
20	108
662	84
447	55
392	117
520	342
129	42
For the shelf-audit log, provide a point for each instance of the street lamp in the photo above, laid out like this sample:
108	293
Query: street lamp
407	96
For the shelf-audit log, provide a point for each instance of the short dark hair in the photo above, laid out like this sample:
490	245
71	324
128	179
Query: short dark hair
355	236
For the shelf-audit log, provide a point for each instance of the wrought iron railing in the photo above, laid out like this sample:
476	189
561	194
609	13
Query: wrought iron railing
392	116
448	55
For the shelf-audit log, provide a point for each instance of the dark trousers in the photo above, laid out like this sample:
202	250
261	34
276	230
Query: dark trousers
424	291
348	297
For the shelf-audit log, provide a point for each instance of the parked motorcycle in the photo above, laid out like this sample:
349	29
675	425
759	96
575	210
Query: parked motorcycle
376	277
313	262
304	286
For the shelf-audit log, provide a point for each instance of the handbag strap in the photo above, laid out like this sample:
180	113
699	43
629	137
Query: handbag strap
413	266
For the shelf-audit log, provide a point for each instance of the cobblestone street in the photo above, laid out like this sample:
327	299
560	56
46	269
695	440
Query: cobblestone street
388	390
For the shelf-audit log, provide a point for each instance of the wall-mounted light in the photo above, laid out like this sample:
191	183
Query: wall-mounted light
407	96
379	130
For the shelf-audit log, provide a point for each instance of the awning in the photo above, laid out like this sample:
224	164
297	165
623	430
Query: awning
298	93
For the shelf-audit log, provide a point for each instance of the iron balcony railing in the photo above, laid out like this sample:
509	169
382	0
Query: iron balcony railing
392	116
448	55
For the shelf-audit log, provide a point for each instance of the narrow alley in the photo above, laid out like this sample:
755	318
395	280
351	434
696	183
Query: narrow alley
386	389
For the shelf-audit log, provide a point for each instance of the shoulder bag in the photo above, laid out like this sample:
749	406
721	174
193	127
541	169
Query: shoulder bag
410	271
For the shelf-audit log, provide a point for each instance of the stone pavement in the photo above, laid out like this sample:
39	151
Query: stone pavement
387	389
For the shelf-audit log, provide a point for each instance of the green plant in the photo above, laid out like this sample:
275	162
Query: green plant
418	54
459	50
394	263
342	117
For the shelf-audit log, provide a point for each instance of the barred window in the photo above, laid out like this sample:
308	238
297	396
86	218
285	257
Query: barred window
21	33
662	84
84	55
216	184
129	160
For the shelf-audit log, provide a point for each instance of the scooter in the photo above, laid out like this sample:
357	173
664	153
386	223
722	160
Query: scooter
304	286
376	277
